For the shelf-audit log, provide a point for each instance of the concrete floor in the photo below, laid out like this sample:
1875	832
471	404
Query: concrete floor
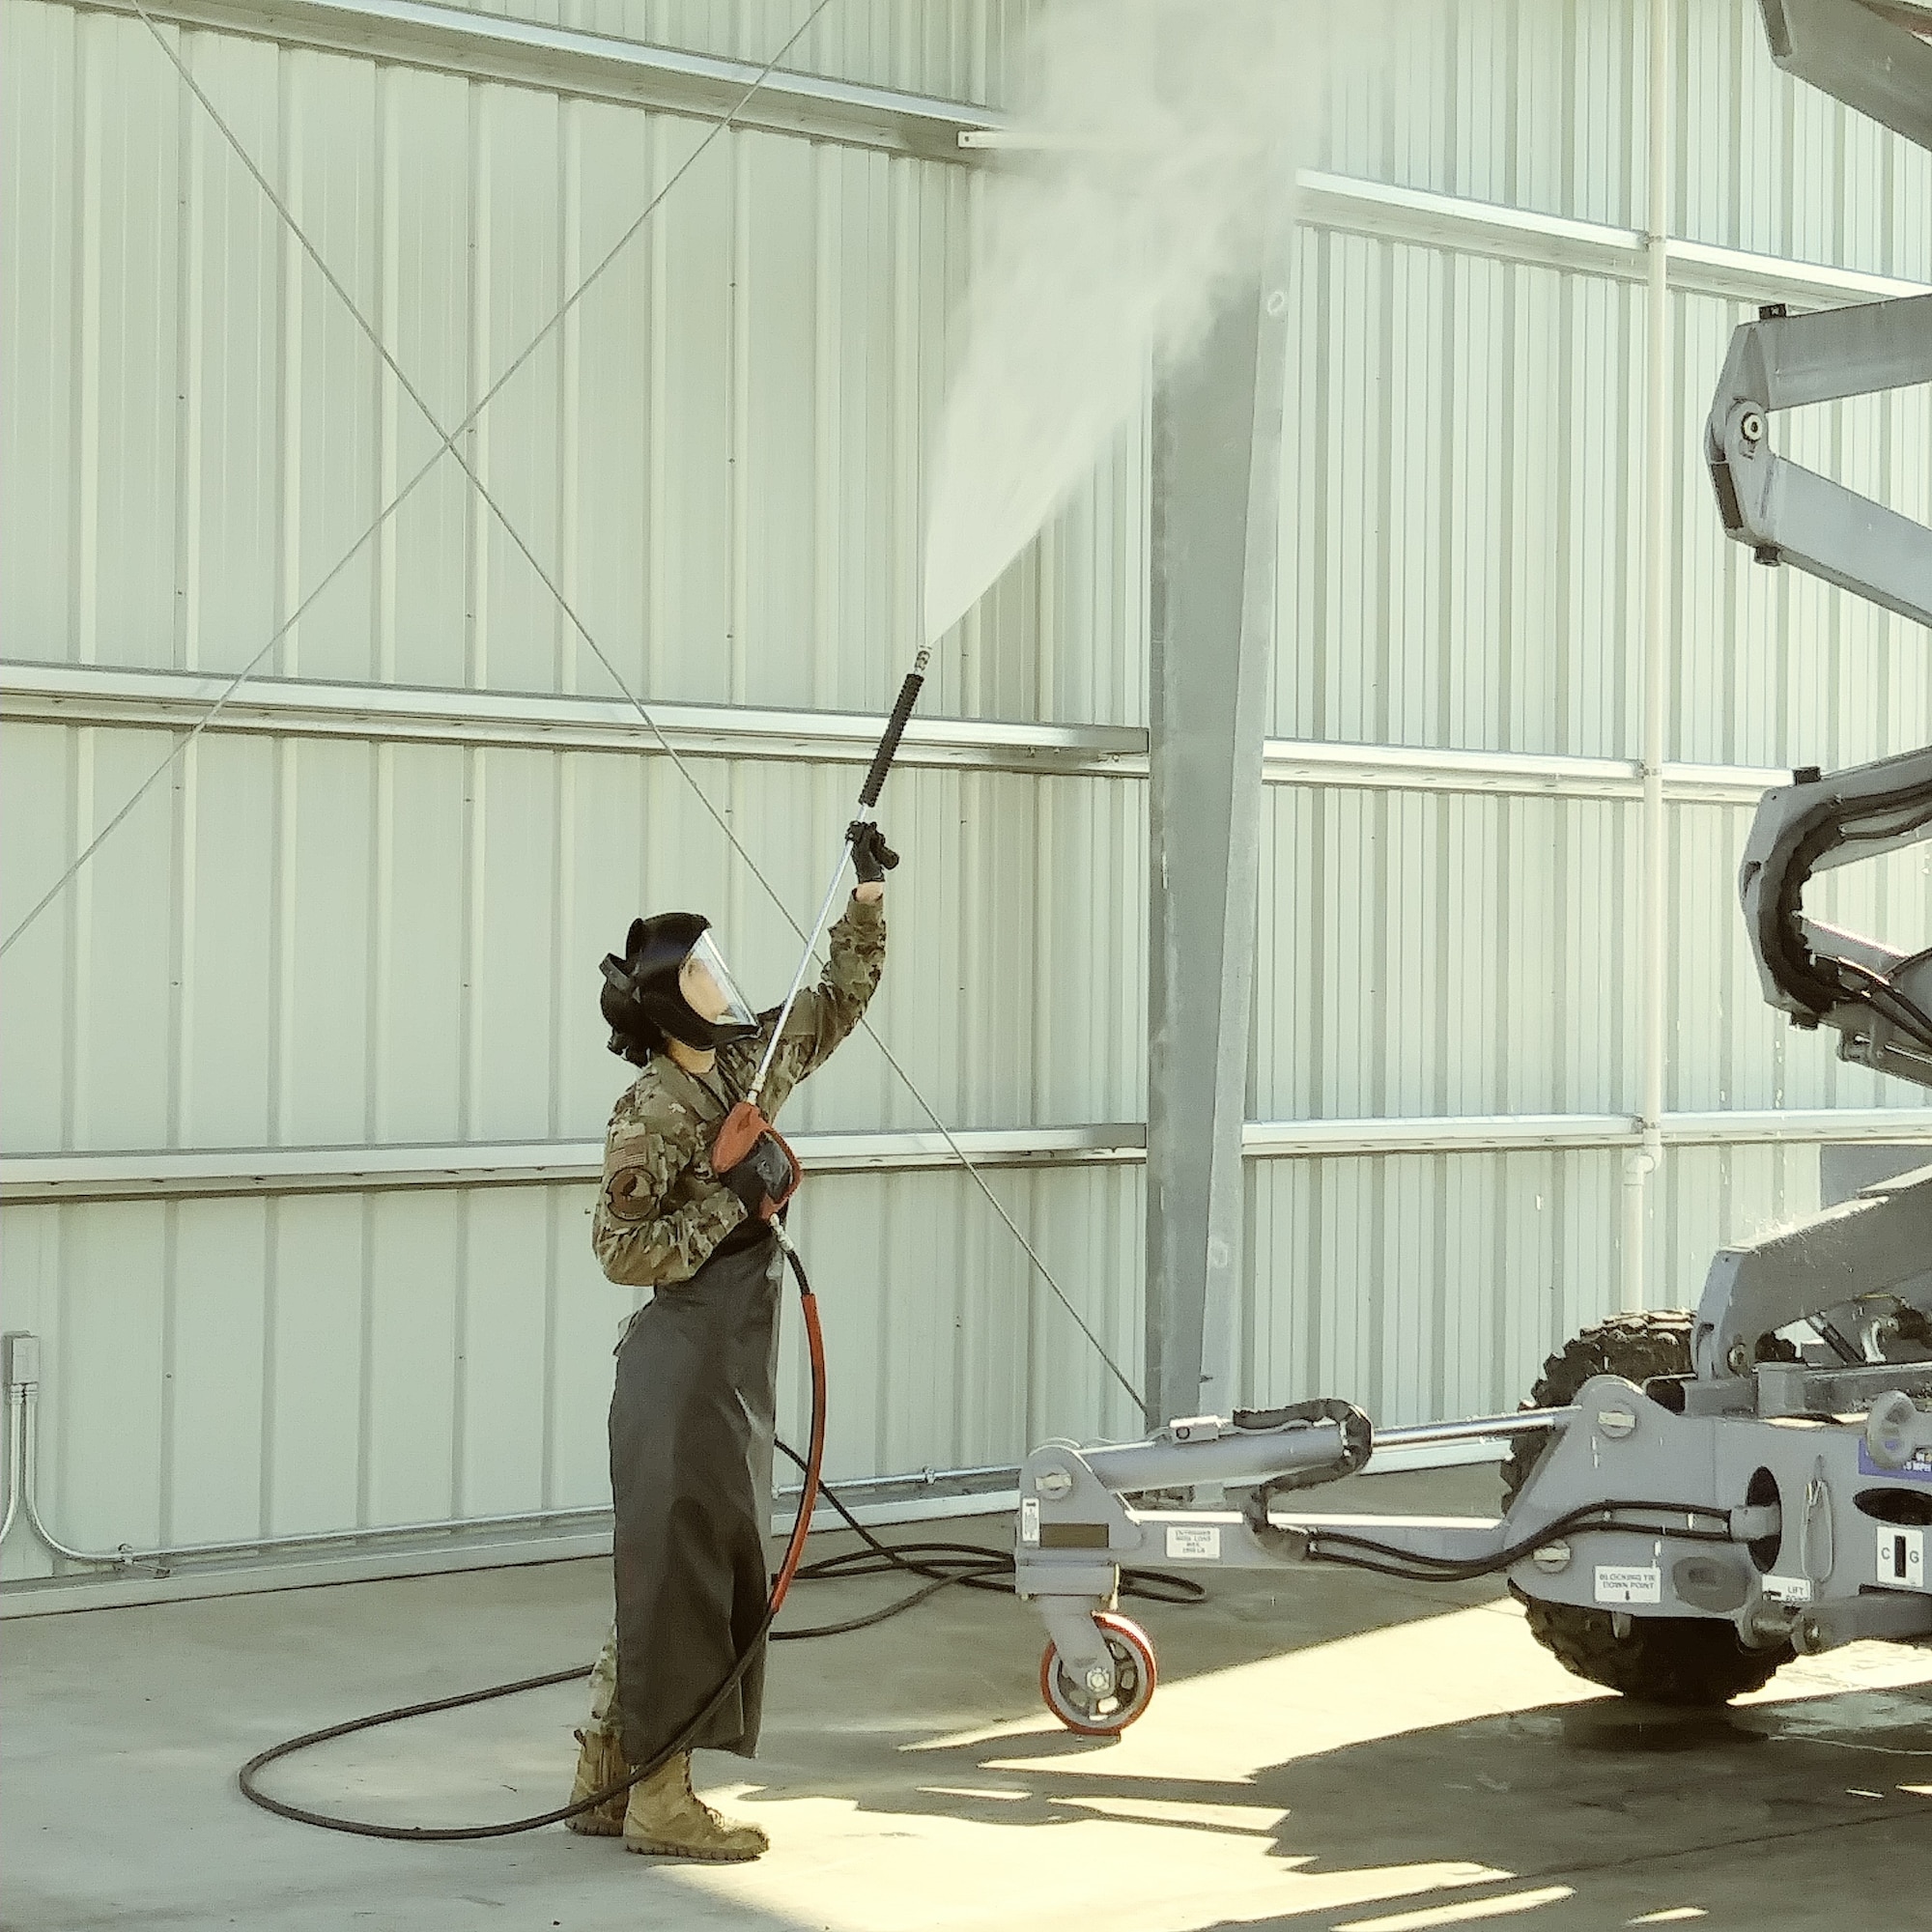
1325	1751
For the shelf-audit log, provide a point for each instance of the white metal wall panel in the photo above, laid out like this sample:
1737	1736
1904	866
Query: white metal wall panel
1542	107
1435	1284
1430	953
232	432
1424	1285
224	1369
1461	540
332	941
1533	105
1461	471
1714	1195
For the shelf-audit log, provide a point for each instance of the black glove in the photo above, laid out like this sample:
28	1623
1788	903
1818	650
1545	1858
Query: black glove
871	857
765	1173
747	1183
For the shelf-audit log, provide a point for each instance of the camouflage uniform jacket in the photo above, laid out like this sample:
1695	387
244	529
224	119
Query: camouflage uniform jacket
662	1211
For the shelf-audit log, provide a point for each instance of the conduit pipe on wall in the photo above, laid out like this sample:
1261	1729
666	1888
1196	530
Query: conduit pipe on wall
22	1414
1643	1161
127	1557
16	1402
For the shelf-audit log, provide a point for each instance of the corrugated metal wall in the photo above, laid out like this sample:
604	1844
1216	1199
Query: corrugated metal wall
332	942
1462	567
718	454
380	936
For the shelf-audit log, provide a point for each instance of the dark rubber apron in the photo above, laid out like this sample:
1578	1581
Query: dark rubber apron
691	1418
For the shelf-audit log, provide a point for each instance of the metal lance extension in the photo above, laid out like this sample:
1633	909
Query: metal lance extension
868	798
746	1133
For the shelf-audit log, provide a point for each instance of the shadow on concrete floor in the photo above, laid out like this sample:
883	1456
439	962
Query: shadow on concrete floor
1585	1814
1327	1752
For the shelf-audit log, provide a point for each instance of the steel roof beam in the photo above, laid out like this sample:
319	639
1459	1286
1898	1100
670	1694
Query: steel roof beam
93	696
597	67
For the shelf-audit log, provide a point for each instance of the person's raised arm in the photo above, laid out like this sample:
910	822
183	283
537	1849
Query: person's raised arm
856	955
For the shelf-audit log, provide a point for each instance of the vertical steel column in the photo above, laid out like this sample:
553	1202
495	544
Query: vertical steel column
1642	1163
1214	516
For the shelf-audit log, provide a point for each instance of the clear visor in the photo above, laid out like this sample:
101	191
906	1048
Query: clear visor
708	987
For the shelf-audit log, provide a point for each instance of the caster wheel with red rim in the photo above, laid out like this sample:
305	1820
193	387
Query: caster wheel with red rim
1108	1714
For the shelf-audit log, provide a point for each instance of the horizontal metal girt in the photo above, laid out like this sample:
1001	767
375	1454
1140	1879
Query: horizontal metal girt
1787	513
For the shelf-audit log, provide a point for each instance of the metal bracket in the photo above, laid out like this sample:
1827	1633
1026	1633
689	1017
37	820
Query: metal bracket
1786	513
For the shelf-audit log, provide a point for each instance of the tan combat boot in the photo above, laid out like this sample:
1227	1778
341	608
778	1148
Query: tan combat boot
668	1819
598	1763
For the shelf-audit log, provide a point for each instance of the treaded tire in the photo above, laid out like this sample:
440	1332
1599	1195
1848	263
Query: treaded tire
1694	1661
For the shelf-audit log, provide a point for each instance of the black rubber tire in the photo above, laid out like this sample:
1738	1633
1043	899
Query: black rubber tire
1683	1660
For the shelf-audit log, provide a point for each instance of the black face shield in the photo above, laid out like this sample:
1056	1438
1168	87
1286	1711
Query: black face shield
673	983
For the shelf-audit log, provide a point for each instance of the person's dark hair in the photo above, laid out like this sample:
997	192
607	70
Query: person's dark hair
634	1039
635	1034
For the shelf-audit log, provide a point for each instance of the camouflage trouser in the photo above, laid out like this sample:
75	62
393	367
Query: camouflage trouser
604	1721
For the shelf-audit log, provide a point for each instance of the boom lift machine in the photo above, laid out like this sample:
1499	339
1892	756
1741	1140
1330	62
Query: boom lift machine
1691	1498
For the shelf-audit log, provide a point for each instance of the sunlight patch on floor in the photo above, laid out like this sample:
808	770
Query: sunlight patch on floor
1463	1911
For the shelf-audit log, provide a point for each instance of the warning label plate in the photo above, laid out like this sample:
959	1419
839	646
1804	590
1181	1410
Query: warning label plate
1630	1583
1917	1470
1194	1542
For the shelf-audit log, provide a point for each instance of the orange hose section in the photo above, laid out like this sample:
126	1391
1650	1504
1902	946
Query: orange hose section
814	1341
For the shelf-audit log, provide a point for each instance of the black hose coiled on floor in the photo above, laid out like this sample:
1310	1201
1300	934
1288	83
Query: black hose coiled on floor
938	1566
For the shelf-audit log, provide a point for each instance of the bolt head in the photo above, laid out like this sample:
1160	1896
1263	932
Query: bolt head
1738	1360
1053	1482
1099	1680
1616	1423
1752	427
1553	1558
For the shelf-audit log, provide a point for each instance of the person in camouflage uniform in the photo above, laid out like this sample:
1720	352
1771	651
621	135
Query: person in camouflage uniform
692	1414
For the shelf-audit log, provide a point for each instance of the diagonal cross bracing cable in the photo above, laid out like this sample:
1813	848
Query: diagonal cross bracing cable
448	444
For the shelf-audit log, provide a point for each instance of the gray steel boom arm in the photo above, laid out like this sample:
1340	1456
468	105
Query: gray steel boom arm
1869	57
1878	997
1789	514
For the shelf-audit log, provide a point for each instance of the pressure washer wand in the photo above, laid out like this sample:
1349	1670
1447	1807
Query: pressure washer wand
868	798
